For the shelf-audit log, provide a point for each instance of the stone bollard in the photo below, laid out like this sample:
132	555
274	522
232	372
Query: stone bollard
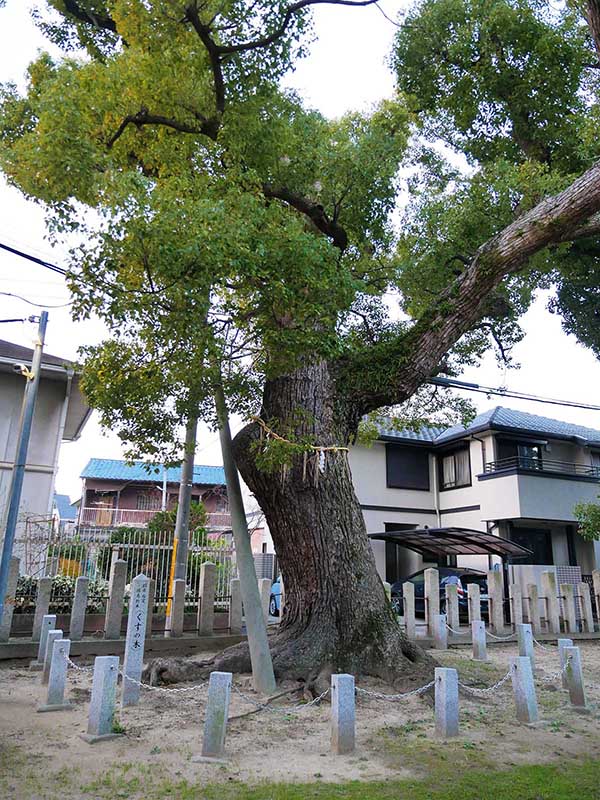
525	640
549	591
177	609
516	604
48	623
52	636
150	609
42	604
586	607
446	703
440	632
496	601
343	714
452	613
133	660
387	588
474	601
215	719
235	606
432	598
479	640
562	645
408	606
567	591
55	700
574	675
533	606
206	612
524	690
102	705
116	593
77	621
10	599
264	589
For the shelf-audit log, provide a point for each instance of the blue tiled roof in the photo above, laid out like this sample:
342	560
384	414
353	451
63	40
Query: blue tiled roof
64	507
425	434
501	418
114	469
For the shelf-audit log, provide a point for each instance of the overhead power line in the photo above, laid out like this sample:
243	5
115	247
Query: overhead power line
35	259
31	303
501	392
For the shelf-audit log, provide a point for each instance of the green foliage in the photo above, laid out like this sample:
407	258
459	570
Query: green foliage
165	521
62	594
588	516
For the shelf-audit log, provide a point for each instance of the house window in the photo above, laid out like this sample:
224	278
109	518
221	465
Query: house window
530	456
407	467
148	501
222	504
455	469
596	462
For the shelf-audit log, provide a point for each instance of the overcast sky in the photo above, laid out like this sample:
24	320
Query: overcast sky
346	70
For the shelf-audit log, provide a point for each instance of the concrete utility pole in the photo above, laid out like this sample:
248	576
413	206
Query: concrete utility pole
18	474
260	655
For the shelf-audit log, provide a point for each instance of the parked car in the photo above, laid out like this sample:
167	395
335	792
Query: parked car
275	599
459	576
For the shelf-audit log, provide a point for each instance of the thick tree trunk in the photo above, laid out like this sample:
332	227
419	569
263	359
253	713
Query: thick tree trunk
336	614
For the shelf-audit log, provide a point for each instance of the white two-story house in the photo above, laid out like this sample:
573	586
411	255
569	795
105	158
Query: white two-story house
510	473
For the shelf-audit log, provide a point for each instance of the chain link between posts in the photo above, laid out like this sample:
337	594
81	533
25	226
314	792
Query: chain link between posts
393	697
282	710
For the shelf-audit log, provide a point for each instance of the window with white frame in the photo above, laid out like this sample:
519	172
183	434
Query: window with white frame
148	501
455	469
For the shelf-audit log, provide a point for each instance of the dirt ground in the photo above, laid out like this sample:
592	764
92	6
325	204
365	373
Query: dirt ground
394	739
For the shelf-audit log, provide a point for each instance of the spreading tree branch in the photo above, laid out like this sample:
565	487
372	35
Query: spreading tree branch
207	127
592	15
314	211
103	21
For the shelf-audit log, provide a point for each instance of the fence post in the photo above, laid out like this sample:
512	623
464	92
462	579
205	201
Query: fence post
134	643
48	623
217	711
440	632
206	612
102	705
516	604
10	599
264	588
524	690
52	636
77	621
596	583
525	639
150	609
408	607
235	606
567	591
534	608
479	640
446	703
562	644
549	591
586	607
42	604
496	601
574	674
474	601
452	613
177	608
116	593
343	713
55	700
432	599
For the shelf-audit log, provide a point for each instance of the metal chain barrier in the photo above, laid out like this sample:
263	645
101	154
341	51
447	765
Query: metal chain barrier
458	633
393	697
539	644
501	638
164	690
78	668
488	689
285	710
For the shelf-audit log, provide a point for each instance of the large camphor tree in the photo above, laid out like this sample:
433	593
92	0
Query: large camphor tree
232	235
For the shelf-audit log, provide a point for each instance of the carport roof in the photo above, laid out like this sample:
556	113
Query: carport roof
453	542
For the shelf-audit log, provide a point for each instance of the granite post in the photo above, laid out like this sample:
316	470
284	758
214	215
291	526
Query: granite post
533	605
453	617
42	604
235	606
77	622
525	640
479	640
408	606
446	703
585	600
55	700
387	588
48	624
496	600
343	714
217	711
52	636
116	593
206	612
562	645
133	660
102	705
264	589
440	632
574	674
549	591
177	609
10	599
516	604
474	601
524	690
567	591
432	599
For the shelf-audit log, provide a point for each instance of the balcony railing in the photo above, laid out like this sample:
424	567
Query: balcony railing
113	517
526	464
